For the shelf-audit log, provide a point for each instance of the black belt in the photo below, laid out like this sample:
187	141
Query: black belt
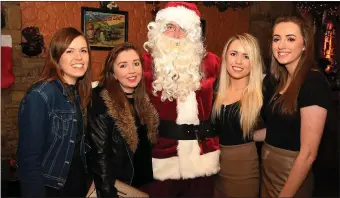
171	130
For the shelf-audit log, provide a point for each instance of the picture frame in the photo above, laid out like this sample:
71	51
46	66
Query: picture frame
104	28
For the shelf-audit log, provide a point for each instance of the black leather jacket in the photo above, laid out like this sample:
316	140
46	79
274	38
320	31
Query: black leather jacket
113	137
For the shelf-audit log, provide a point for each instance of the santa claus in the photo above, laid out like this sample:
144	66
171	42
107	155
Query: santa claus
180	74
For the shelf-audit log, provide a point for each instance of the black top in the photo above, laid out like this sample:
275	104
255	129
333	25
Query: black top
72	92
228	126
75	185
283	131
113	155
142	159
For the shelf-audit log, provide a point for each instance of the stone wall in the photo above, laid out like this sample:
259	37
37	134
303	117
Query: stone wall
26	71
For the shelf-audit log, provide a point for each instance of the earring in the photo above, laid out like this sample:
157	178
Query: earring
303	49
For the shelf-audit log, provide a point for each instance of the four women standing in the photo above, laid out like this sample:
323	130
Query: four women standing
122	123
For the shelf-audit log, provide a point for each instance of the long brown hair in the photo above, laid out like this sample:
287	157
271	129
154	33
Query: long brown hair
287	102
59	43
112	85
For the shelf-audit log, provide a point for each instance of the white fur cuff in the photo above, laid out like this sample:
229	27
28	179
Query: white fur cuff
189	163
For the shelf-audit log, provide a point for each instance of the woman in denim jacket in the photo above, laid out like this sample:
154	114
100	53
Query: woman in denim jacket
51	148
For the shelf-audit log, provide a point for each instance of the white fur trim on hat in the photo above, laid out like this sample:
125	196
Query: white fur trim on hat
181	15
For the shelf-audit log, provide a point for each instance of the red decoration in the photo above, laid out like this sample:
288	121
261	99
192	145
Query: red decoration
7	77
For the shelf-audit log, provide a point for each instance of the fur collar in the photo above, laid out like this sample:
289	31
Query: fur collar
125	122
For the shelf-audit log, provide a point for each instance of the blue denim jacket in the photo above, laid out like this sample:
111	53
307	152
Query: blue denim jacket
47	132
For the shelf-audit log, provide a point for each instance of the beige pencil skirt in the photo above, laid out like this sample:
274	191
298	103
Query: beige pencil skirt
276	166
239	174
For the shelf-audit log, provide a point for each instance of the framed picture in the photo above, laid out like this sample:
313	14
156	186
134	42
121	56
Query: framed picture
104	28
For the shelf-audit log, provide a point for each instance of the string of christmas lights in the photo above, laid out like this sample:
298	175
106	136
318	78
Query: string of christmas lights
224	5
318	8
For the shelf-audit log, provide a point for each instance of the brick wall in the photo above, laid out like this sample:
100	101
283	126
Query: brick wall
65	14
26	71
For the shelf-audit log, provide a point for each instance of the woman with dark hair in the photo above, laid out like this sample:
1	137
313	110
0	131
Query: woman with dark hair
51	148
296	102
122	124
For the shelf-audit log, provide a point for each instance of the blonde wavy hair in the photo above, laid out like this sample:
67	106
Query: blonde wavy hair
251	99
176	62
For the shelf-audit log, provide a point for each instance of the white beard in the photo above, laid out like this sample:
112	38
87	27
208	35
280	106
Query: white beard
177	67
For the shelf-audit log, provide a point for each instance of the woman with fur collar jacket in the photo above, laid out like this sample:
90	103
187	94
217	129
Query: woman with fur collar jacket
122	124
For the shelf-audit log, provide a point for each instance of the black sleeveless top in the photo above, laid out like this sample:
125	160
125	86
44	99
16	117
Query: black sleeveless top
228	126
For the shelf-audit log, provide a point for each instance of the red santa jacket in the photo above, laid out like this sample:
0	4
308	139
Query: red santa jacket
183	159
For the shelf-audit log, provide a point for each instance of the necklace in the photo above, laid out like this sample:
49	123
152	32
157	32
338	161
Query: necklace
130	95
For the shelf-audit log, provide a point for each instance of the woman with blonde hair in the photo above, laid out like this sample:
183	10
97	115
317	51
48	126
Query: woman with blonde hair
235	113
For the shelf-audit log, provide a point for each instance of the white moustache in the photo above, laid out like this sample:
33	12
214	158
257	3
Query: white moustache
177	66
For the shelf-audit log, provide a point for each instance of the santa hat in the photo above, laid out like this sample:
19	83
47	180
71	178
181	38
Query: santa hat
185	14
